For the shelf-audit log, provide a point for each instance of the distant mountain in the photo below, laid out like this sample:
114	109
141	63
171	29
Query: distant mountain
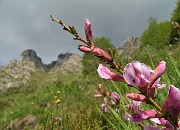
18	72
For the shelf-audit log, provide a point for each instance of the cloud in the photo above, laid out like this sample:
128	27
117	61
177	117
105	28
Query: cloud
26	24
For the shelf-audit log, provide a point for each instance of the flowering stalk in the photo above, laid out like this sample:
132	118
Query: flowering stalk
71	30
137	75
88	42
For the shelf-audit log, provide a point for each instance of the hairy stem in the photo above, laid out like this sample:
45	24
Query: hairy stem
69	29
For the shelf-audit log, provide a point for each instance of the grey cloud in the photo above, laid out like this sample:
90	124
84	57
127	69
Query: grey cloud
26	24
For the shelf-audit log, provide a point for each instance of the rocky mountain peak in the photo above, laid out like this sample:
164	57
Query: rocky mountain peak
62	57
29	53
30	56
18	72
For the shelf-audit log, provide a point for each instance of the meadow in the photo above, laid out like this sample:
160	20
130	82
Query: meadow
77	108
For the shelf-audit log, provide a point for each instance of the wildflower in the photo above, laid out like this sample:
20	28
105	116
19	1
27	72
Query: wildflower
96	51
58	101
58	91
160	121
88	30
138	115
143	77
172	103
104	108
136	74
115	97
133	105
105	73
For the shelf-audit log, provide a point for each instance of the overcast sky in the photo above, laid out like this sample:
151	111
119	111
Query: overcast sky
25	24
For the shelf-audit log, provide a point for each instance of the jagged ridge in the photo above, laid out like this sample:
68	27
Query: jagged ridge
18	72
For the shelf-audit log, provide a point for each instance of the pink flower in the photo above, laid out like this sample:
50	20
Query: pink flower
162	121
141	76
104	108
172	103
115	97
88	30
137	74
96	51
133	106
138	116
105	73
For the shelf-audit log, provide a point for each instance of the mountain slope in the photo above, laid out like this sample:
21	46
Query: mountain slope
19	72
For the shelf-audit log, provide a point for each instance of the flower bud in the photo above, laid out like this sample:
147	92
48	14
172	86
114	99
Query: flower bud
88	30
100	86
136	97
102	54
98	95
85	49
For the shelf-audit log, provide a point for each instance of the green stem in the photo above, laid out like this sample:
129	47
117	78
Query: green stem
141	125
67	28
116	67
152	102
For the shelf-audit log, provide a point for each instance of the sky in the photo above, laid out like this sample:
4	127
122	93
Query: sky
27	25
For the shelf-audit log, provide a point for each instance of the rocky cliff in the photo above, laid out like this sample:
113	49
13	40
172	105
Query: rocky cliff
129	46
18	72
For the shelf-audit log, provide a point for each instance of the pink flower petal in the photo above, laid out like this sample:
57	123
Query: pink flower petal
160	86
151	113
158	71
104	72
137	74
174	96
136	117
141	68
130	75
172	103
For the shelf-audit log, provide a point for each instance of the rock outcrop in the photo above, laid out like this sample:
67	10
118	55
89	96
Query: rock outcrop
128	48
67	63
18	72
